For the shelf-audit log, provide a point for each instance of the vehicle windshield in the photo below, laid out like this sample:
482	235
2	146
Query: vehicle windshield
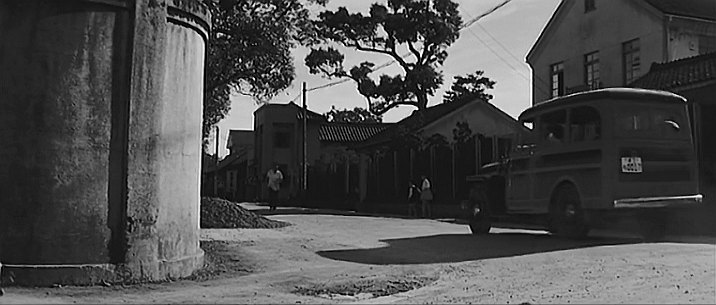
652	121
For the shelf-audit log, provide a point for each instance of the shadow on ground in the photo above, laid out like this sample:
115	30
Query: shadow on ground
453	248
320	211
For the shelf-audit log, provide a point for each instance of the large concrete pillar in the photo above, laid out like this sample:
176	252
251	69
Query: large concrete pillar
100	139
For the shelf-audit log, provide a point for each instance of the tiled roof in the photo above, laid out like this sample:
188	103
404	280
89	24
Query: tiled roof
299	110
349	132
705	9
679	73
309	114
416	120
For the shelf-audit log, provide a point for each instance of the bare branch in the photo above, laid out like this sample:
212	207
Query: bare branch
415	52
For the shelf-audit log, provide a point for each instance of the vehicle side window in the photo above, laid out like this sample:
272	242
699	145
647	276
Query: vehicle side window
654	121
552	126
526	138
585	125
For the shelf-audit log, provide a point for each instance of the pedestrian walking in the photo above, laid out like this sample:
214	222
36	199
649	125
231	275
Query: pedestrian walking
426	197
413	199
274	178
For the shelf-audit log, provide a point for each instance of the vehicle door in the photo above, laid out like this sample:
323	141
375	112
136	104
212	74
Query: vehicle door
520	173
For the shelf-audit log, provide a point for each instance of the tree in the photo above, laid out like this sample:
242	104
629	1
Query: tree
357	115
422	29
249	51
472	86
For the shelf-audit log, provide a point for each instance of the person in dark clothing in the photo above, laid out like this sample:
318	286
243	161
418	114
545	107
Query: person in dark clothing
413	199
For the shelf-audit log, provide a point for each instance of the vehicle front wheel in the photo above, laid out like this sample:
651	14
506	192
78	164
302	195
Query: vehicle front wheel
479	218
567	215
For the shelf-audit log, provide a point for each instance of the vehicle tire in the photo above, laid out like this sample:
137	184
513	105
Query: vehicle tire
479	215
566	214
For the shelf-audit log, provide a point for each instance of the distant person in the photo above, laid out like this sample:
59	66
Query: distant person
274	178
426	196
413	199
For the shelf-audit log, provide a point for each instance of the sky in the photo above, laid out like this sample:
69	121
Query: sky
496	44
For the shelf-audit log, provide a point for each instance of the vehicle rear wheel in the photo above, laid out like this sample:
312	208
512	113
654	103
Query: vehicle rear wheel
567	215
479	218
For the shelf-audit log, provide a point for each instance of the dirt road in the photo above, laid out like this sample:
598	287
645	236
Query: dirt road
324	258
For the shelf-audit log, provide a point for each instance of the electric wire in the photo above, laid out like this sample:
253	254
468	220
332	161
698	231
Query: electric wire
465	25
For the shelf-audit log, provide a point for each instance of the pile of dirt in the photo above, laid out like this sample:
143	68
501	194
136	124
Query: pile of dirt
218	213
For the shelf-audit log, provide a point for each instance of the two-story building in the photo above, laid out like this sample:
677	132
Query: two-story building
589	44
331	169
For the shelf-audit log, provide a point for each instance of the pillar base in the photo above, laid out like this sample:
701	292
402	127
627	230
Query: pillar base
93	274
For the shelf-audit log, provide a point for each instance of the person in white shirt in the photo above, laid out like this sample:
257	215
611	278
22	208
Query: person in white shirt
274	178
426	196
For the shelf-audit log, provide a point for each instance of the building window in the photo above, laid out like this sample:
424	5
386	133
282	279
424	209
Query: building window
589	5
632	63
591	70
557	79
281	139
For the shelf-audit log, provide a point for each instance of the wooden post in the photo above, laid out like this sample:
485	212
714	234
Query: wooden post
412	174
452	175
377	173
432	163
478	154
304	161
347	175
395	173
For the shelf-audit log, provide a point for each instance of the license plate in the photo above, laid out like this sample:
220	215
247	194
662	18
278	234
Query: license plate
631	165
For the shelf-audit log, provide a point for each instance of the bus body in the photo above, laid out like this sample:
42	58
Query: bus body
590	155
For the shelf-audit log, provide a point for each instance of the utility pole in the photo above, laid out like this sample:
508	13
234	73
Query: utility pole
216	162
304	174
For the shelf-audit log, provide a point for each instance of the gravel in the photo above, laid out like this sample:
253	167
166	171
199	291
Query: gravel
217	213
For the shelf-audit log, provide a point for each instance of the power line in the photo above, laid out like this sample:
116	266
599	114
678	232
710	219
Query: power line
473	20
506	51
499	44
502	59
391	62
544	82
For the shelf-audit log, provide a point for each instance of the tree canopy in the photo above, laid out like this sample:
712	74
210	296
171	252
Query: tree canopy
471	86
413	33
249	51
357	115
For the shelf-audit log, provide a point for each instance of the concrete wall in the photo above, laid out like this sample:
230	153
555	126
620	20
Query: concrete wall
101	120
574	33
180	143
57	86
